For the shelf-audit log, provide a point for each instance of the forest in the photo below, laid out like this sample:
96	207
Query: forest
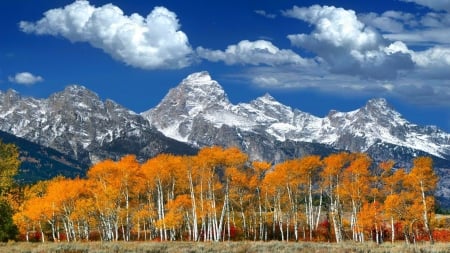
220	195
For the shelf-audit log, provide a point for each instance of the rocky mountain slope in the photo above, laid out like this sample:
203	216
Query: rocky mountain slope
77	123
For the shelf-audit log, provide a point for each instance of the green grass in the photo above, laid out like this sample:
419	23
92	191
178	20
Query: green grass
233	247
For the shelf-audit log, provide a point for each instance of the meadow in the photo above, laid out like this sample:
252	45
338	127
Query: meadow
233	247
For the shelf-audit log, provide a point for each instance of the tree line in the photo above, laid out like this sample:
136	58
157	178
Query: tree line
220	195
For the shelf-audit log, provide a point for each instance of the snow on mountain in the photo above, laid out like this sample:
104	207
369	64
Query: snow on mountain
77	123
199	97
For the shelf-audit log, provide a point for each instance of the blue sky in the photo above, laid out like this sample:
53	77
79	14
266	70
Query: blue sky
311	55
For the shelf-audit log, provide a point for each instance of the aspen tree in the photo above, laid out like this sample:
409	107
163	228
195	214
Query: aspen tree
355	188
423	179
331	177
260	169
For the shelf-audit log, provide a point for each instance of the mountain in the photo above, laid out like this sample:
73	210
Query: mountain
78	124
200	102
198	112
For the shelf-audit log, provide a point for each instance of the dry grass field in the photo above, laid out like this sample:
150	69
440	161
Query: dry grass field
236	247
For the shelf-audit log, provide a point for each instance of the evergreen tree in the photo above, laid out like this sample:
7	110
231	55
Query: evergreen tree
8	230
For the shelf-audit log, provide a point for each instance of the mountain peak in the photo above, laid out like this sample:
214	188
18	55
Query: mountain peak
77	91
267	100
12	92
201	88
75	87
196	94
378	103
267	97
198	77
9	98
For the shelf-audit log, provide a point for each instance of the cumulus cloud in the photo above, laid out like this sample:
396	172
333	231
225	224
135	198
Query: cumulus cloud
335	26
363	54
433	62
347	44
433	57
439	5
153	42
253	53
25	78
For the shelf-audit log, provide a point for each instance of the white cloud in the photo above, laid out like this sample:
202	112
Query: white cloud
383	23
433	63
430	29
25	78
389	21
433	57
335	26
439	5
361	57
424	37
410	87
435	20
266	81
288	77
253	53
153	42
346	44
265	14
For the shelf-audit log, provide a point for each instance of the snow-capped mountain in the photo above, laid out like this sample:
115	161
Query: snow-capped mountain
77	123
199	100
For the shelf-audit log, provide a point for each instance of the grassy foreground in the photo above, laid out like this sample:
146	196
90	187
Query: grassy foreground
237	247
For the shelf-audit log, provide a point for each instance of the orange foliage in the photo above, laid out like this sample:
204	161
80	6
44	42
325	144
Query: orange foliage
218	193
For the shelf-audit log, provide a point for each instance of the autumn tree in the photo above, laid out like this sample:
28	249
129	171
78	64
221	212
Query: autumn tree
274	188
356	181
22	219
129	173
207	167
162	173
239	188
103	183
423	181
65	195
371	219
260	168
331	180
392	187
218	194
404	209
309	167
